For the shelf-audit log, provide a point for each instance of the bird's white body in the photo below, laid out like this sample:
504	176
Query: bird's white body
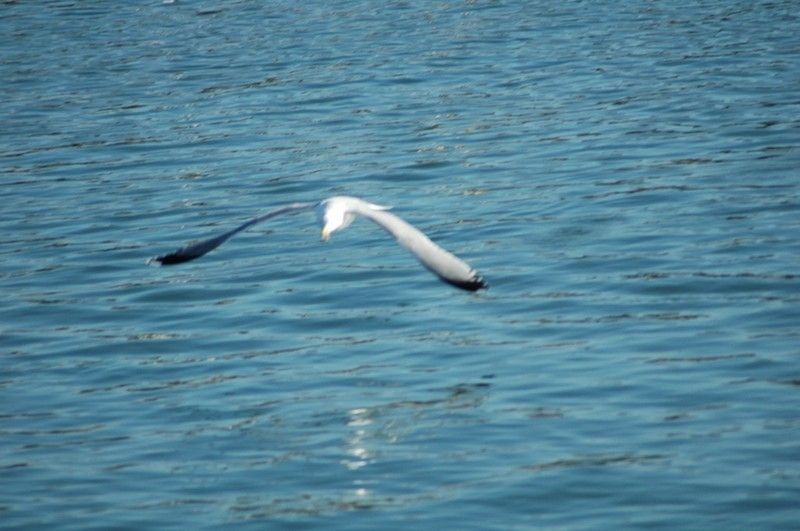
337	213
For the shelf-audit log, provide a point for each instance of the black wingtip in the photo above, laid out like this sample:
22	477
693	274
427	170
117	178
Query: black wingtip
172	258
473	284
163	260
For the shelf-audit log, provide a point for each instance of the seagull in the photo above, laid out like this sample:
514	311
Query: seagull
336	213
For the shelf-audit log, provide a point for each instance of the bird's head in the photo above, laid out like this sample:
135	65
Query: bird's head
333	215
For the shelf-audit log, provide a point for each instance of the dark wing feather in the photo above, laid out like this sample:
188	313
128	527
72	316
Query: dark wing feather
196	250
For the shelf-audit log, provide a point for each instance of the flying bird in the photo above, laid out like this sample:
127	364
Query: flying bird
336	213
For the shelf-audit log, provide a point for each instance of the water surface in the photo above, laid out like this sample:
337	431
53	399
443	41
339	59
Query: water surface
624	175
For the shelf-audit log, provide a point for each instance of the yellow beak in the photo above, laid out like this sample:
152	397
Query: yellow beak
326	235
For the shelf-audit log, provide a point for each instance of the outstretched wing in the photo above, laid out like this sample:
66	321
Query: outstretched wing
196	250
443	264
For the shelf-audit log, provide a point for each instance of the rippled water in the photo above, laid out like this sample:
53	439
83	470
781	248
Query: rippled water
625	175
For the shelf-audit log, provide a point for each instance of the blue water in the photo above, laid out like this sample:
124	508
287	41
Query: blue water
624	174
